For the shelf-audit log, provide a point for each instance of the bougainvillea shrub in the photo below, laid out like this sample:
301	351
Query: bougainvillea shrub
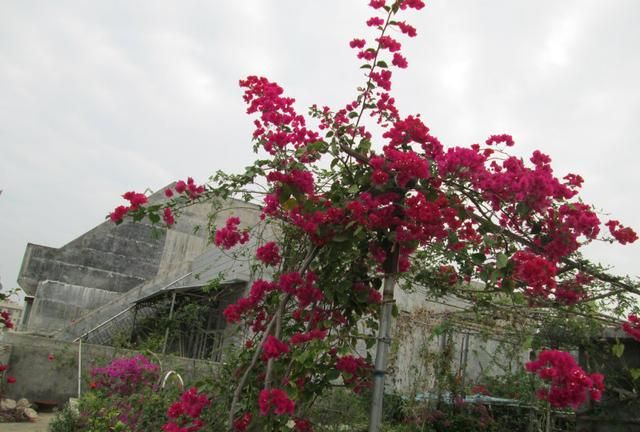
357	209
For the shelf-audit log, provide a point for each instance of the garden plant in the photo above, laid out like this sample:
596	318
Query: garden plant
360	199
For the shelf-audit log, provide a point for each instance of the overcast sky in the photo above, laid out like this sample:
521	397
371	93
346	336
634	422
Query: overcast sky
97	98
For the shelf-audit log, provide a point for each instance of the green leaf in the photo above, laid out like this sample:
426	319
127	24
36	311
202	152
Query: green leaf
365	66
478	258
489	241
339	238
495	275
635	373
439	329
370	342
617	349
519	298
364	146
382	64
501	261
290	204
353	114
332	374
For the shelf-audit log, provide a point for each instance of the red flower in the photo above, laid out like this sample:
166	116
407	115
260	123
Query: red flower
399	61
622	234
10	379
302	425
168	217
632	327
407	29
387	42
374	21
118	214
269	254
228	237
181	186
273	348
51	357
241	424
497	139
569	384
357	43
414	4
275	398
136	199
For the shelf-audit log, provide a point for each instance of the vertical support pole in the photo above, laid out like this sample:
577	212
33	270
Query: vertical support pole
133	323
166	332
79	368
465	357
547	426
384	342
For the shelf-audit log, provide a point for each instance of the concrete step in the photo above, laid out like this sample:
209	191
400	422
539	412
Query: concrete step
76	274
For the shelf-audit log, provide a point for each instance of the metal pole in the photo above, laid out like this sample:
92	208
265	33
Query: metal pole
465	357
384	341
133	323
79	368
166	332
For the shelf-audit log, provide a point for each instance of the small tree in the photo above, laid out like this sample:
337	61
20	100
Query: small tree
351	219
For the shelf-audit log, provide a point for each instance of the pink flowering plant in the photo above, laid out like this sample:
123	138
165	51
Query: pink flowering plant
125	376
357	211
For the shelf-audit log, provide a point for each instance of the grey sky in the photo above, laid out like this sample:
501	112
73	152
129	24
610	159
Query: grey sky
103	97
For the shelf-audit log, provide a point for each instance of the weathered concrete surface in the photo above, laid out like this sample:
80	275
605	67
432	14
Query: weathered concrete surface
109	257
415	344
187	261
70	283
57	303
41	379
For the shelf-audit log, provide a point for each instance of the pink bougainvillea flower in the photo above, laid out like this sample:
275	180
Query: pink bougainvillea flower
269	253
568	383
229	236
276	399
632	327
118	214
168	217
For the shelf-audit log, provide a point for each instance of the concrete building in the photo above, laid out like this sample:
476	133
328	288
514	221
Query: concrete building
92	287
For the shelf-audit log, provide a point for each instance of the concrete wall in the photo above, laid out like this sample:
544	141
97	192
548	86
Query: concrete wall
41	379
56	304
109	257
416	344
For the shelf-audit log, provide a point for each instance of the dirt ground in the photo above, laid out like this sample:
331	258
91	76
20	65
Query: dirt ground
39	426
